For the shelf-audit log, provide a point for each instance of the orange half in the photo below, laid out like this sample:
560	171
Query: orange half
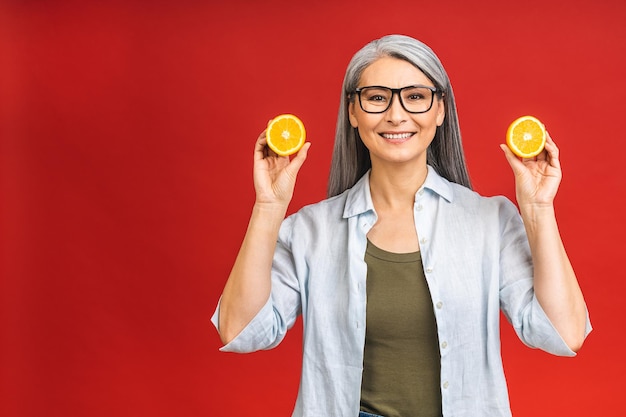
285	134
526	137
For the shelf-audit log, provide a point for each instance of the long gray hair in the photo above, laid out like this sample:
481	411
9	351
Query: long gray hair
351	159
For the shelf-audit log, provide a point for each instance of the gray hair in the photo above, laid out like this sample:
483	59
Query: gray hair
351	159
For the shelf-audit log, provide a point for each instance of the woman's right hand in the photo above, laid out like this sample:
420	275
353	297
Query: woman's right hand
275	176
249	284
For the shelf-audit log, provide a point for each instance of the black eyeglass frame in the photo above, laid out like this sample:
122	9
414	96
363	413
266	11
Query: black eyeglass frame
397	91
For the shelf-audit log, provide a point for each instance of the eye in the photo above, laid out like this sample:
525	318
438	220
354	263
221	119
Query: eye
377	98
375	95
414	95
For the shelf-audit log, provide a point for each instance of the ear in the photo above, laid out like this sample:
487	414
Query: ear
351	116
441	111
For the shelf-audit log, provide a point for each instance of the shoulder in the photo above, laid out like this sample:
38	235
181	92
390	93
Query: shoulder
466	196
324	210
315	220
462	200
495	219
352	202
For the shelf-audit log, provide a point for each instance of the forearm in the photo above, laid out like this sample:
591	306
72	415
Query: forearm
249	284
555	283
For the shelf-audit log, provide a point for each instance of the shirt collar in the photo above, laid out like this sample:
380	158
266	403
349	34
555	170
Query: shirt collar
359	198
438	184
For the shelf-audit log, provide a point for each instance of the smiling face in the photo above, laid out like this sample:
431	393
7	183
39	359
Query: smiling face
396	136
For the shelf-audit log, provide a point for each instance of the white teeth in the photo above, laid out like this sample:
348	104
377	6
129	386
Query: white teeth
397	135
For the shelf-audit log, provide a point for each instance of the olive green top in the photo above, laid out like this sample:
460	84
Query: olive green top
401	362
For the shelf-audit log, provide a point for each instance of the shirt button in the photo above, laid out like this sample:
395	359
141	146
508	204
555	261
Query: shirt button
444	345
419	207
429	269
439	304
421	191
445	385
423	241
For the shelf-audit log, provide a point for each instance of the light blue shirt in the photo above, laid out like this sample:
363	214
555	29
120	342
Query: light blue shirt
476	260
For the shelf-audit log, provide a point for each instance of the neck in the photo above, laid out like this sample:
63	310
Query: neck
396	186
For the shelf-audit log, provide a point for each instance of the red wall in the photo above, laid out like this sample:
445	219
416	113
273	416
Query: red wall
127	131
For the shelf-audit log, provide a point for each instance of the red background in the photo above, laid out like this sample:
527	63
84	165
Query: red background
127	131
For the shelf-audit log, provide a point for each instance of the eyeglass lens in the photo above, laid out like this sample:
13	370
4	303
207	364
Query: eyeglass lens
414	99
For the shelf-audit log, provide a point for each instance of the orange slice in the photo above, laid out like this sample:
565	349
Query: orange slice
285	134
526	137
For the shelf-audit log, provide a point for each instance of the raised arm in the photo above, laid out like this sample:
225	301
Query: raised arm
248	286
555	283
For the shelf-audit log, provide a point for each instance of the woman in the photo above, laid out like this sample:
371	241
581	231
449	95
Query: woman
401	273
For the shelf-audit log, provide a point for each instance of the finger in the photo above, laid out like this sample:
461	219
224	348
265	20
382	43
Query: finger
551	147
513	160
298	160
549	151
543	155
552	151
260	147
262	139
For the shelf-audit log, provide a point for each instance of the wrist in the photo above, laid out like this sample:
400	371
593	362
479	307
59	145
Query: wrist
537	216
270	207
269	212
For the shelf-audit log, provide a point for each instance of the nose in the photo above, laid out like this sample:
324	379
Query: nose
396	113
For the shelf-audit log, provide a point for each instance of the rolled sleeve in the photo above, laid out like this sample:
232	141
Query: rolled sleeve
264	331
517	296
537	331
270	325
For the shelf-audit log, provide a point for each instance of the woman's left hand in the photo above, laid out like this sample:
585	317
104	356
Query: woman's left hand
536	180
554	281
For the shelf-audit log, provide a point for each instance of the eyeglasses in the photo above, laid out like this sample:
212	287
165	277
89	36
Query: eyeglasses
414	98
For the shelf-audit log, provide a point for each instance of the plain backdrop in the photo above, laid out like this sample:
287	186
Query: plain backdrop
126	138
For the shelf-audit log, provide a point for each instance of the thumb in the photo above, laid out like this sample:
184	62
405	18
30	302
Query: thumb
298	160
516	165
